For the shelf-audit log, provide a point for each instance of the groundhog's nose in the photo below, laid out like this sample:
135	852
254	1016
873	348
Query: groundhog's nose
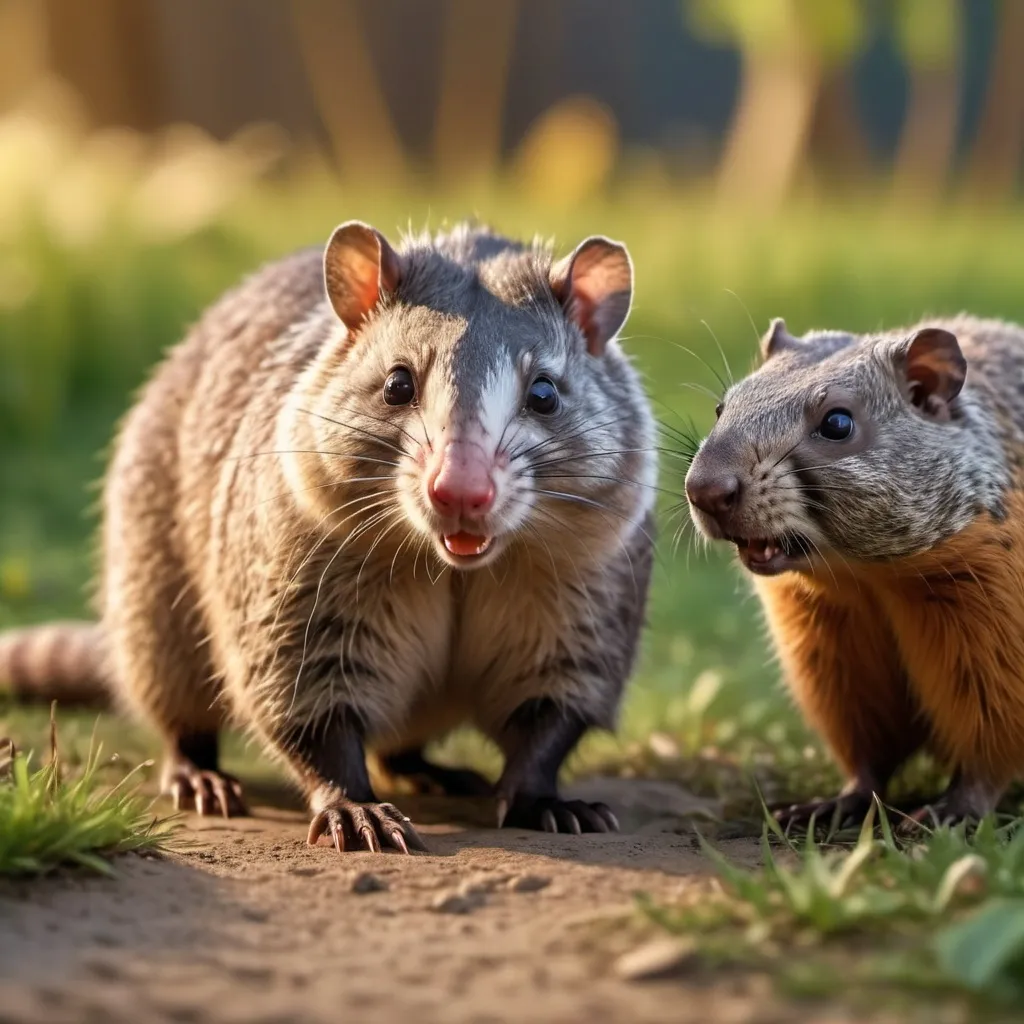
462	484
716	495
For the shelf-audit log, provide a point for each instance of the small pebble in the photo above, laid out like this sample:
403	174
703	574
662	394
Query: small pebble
655	959
478	885
529	883
366	882
453	903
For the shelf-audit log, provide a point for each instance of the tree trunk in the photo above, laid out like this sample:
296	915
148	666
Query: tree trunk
108	52
477	50
344	82
928	140
767	141
995	157
837	145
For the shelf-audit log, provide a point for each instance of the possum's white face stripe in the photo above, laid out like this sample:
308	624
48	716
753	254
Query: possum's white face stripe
500	398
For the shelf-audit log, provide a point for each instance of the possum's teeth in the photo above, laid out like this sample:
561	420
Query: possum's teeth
466	545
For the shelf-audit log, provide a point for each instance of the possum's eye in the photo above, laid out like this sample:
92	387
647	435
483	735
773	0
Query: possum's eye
542	397
718	410
837	425
399	388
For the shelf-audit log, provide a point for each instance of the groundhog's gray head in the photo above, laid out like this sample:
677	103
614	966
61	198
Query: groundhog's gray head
475	397
858	447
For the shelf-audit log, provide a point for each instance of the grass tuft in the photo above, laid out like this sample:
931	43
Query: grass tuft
944	915
48	821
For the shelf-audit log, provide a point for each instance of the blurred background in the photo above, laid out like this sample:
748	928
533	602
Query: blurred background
847	163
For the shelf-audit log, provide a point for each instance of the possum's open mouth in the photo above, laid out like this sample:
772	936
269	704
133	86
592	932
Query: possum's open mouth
466	545
769	556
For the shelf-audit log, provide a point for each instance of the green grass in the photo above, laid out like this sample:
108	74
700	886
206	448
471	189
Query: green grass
49	820
941	917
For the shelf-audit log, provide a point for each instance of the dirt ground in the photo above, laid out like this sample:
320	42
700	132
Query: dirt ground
252	925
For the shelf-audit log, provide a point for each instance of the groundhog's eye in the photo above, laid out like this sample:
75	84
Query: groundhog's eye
399	388
542	397
837	425
718	410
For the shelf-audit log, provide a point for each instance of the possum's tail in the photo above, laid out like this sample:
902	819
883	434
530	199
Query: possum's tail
61	661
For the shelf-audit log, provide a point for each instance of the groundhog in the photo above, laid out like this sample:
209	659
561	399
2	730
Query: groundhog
872	486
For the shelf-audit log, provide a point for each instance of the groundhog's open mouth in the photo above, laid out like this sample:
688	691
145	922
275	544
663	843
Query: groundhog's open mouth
770	556
466	545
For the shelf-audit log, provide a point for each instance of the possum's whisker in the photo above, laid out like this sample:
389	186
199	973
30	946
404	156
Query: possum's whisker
599	506
383	442
392	423
317	546
357	532
397	521
559	460
609	479
409	533
319	487
313	451
564	439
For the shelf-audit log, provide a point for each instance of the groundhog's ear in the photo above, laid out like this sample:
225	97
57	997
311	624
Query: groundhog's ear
359	266
594	284
777	339
935	369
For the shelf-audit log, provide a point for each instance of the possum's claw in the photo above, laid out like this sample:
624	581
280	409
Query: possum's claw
353	826
549	814
207	792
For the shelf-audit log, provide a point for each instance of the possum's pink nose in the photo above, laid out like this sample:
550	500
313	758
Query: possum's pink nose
462	484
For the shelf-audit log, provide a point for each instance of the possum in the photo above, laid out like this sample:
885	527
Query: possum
375	494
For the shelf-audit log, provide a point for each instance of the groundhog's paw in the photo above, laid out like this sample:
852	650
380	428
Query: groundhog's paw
839	811
549	814
206	792
374	827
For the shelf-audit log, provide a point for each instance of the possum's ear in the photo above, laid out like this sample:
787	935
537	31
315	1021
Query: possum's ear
935	369
777	339
594	284
359	266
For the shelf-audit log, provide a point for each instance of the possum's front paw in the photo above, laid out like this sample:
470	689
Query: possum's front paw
549	814
207	792
353	826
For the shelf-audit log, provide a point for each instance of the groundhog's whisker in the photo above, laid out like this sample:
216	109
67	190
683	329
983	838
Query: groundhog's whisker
804	469
703	362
